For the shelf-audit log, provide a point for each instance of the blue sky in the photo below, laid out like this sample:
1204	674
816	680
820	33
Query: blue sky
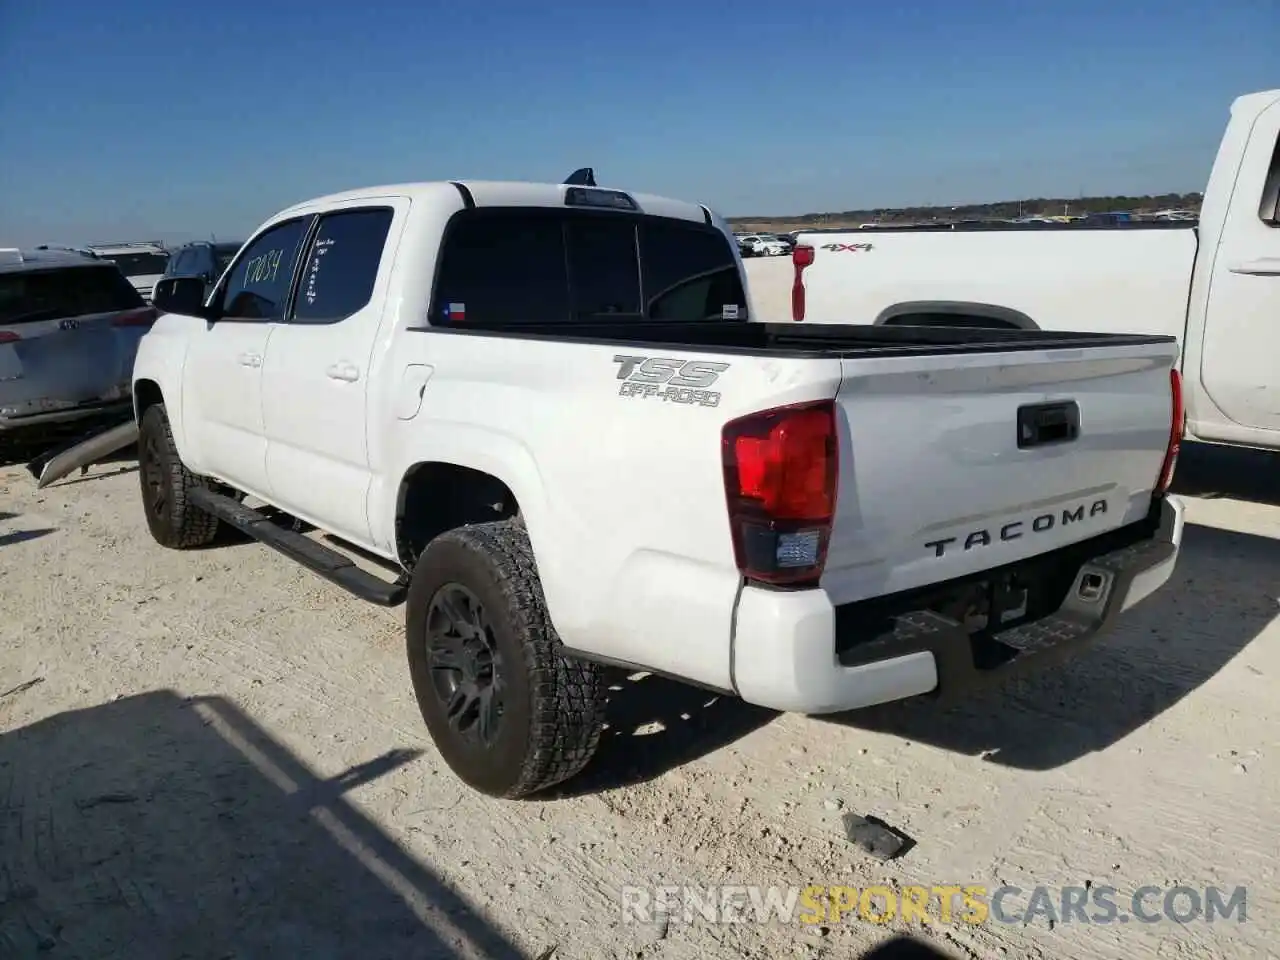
137	118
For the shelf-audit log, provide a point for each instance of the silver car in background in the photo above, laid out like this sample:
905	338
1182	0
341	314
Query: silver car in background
70	324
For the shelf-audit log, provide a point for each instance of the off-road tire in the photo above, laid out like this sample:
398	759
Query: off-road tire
177	524
553	706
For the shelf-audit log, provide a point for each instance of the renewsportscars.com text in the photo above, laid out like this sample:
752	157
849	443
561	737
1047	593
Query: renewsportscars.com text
969	904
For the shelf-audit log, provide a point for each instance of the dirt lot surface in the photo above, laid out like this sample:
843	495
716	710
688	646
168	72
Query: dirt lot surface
215	754
770	279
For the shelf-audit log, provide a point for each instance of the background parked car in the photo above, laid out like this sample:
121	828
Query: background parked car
206	259
764	245
69	331
142	263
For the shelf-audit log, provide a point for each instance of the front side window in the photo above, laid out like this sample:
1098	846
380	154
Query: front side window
342	265
505	267
259	284
68	292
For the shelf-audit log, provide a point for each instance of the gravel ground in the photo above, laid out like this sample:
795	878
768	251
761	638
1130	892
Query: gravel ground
215	754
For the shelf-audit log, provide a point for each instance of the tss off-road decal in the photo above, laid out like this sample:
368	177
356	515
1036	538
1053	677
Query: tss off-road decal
669	379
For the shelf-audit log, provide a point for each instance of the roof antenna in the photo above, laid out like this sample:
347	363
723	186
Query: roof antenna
584	177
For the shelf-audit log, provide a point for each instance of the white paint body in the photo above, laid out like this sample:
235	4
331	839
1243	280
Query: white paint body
623	499
1216	286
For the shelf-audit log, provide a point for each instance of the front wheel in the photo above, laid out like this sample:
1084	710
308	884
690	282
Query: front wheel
509	712
165	481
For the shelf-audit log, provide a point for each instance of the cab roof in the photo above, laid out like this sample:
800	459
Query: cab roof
503	193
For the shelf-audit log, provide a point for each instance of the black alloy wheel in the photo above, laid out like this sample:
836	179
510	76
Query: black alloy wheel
466	666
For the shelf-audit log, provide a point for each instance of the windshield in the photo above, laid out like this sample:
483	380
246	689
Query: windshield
139	264
68	292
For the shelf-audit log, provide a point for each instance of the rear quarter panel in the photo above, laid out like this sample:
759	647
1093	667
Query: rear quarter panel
622	493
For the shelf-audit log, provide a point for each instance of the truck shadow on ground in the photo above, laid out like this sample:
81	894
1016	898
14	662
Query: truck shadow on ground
654	725
1221	597
158	826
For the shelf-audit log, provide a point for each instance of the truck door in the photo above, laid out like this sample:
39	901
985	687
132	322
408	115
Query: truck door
1240	358
318	370
223	377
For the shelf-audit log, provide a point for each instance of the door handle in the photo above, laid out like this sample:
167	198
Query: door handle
342	370
249	360
1262	267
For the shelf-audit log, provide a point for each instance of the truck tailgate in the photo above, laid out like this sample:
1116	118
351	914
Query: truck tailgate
953	465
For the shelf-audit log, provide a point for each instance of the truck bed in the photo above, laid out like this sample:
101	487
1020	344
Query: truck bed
795	341
935	479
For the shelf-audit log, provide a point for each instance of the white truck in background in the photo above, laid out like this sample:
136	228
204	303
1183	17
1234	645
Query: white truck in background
544	409
1215	285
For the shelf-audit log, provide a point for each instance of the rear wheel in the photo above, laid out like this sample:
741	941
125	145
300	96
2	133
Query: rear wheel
509	712
165	483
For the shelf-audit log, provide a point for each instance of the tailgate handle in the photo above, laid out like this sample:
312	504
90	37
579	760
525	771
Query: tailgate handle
1040	424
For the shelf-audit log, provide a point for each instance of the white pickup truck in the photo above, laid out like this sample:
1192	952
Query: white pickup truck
542	407
1215	286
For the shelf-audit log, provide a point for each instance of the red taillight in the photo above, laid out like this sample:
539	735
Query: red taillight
801	257
8	336
780	475
1176	430
135	318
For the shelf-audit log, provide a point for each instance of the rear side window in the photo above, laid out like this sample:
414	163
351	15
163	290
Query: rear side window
342	265
689	274
1269	208
502	267
258	285
68	292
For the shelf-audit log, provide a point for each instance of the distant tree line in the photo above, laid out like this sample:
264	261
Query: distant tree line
1004	209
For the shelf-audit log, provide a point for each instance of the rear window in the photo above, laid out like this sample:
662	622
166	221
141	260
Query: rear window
68	292
501	267
139	264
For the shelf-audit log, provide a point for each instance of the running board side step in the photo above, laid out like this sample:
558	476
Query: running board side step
316	557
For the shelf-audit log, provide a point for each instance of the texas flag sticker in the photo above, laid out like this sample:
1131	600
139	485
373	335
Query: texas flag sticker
456	312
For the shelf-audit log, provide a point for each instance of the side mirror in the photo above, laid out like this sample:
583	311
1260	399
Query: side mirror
182	295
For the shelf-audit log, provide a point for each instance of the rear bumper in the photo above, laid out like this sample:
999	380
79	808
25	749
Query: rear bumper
794	651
